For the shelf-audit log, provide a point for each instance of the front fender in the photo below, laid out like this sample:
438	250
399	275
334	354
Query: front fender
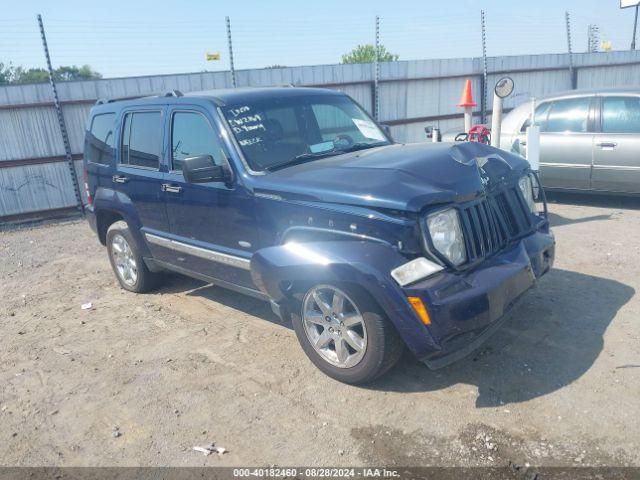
282	270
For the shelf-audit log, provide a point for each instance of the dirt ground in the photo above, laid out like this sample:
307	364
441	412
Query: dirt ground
193	364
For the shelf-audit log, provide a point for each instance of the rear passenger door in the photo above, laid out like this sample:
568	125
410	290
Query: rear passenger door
213	223
616	164
566	143
138	175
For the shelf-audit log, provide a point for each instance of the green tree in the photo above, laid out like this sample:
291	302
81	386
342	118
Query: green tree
367	54
84	72
17	75
6	73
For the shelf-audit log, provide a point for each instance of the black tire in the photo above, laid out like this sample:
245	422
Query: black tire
145	280
384	346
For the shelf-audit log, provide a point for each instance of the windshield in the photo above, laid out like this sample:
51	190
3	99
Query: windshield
279	132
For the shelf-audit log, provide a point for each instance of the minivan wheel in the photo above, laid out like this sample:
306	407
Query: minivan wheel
345	334
127	264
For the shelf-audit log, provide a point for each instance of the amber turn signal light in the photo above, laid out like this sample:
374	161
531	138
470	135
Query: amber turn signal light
421	310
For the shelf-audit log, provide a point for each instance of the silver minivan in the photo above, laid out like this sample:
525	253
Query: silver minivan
589	140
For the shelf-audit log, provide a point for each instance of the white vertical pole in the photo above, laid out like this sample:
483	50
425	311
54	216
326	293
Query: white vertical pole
533	140
496	121
468	118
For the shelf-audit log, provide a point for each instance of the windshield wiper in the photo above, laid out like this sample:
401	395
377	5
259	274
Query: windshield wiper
363	145
302	158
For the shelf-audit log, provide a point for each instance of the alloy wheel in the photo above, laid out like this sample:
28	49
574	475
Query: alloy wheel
334	326
124	260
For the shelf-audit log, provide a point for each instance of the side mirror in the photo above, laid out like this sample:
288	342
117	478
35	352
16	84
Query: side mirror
387	130
202	169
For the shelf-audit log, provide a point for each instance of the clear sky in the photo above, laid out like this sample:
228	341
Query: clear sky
139	37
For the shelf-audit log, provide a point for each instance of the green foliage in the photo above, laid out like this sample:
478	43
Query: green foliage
17	75
367	54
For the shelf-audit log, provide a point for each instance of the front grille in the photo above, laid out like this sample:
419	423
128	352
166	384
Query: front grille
492	222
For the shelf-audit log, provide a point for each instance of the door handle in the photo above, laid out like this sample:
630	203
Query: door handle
523	143
607	144
119	179
171	188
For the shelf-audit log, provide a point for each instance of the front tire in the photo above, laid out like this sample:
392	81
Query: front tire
345	334
126	261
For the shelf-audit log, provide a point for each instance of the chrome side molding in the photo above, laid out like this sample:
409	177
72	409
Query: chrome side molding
207	254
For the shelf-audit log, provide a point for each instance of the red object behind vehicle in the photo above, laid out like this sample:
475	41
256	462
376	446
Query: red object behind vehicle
479	133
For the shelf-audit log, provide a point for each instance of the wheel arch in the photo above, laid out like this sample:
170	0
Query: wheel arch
104	219
285	273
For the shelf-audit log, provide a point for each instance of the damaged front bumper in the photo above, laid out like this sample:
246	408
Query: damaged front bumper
466	308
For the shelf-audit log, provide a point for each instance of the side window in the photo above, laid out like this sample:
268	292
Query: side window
142	139
541	113
192	135
570	115
621	114
99	139
332	120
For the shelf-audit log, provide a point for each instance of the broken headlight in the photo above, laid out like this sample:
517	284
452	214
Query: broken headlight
526	187
446	234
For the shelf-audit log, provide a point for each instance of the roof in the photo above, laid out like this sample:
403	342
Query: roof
237	95
590	91
220	97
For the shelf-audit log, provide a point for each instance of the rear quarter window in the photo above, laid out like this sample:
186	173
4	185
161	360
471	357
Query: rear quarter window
99	139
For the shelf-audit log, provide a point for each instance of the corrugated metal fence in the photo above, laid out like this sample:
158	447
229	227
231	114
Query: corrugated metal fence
412	94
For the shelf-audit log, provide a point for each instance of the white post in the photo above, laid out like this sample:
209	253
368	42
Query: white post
533	140
435	133
496	121
533	147
468	118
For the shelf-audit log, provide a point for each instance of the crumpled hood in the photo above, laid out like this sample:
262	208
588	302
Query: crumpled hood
399	177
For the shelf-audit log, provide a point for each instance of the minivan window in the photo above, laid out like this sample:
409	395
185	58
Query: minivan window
142	139
192	135
99	139
569	115
621	114
278	132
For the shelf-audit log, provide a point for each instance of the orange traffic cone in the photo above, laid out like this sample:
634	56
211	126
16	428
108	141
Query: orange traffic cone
466	100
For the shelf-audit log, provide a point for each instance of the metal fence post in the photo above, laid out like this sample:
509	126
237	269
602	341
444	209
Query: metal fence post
635	29
572	72
231	69
376	73
483	96
61	122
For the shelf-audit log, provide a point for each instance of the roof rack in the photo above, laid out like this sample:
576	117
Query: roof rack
102	101
170	93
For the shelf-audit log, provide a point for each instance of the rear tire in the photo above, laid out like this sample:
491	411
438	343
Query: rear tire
345	334
126	261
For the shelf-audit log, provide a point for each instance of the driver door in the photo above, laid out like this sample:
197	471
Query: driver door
214	223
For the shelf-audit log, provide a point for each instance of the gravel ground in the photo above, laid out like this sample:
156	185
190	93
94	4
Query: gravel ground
141	379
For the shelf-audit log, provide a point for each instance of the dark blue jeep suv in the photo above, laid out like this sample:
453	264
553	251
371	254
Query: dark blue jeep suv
297	196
